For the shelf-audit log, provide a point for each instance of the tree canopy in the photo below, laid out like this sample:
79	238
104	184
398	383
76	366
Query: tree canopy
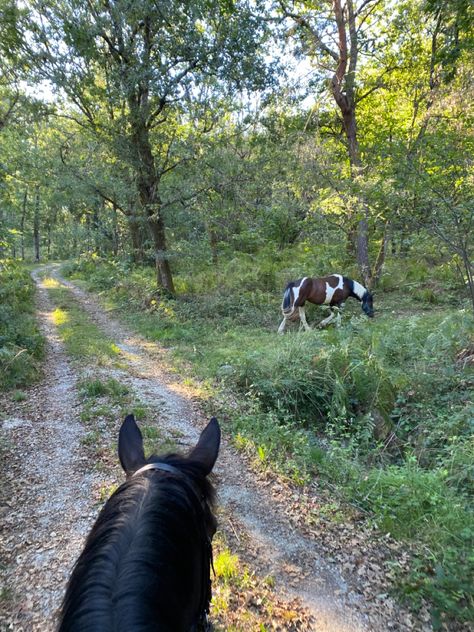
133	128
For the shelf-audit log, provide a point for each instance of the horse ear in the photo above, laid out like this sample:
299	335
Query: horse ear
130	446
207	448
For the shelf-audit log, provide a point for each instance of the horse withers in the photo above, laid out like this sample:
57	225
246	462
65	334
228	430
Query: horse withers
330	290
146	563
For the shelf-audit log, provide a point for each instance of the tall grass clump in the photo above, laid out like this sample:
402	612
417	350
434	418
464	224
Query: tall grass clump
317	381
21	343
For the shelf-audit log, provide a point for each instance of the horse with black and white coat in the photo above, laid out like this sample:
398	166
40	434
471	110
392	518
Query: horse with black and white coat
332	290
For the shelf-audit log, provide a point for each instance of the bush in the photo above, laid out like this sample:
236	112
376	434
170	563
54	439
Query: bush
412	503
101	274
21	343
318	383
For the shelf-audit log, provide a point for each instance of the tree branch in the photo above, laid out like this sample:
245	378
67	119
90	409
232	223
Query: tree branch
316	37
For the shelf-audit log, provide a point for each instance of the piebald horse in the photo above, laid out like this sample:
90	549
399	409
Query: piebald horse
330	290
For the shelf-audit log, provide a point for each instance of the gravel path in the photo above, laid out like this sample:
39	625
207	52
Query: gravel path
49	497
47	486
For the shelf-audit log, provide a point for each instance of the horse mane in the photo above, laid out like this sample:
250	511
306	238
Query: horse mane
149	523
351	283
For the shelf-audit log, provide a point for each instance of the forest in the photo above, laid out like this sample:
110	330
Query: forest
180	163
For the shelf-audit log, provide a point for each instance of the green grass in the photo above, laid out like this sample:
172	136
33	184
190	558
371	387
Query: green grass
82	338
21	343
92	387
19	396
380	409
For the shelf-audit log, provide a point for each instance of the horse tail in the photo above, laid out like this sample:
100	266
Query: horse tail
287	305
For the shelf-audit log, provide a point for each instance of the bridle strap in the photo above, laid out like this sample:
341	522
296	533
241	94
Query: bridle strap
164	467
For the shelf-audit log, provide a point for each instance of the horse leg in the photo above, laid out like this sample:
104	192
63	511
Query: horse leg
303	319
338	316
281	328
327	320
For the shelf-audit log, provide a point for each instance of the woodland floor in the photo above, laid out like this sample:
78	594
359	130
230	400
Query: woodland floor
328	576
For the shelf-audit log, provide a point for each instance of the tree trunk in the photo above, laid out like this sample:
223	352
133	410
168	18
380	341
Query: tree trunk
115	231
469	273
48	241
36	225
163	270
342	87
363	251
213	242
350	129
379	263
361	229
148	183
22	225
96	230
136	237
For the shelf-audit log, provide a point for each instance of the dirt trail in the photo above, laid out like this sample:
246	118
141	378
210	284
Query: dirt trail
47	502
55	484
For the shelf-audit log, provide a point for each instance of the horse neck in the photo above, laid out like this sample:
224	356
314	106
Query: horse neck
143	559
358	291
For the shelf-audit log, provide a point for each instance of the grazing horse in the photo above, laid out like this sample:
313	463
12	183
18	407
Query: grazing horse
146	563
331	290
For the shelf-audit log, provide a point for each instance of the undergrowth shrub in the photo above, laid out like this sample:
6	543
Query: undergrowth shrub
101	274
317	383
412	503
21	343
445	580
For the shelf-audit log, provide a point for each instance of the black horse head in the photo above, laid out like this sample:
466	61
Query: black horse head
368	304
146	562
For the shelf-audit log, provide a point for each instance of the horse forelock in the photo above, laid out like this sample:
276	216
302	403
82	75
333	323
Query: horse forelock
139	561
